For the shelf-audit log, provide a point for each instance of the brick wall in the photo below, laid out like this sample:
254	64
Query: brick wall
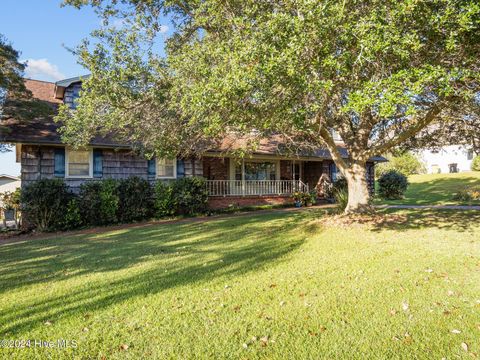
312	171
371	178
215	168
286	170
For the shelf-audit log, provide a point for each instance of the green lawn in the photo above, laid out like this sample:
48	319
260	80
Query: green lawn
408	289
437	189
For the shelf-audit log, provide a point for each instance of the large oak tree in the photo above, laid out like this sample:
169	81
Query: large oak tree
382	73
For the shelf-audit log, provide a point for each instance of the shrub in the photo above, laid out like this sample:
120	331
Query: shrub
392	185
185	196
190	195
405	163
339	192
99	202
135	199
10	200
476	163
164	202
305	198
73	217
468	194
44	203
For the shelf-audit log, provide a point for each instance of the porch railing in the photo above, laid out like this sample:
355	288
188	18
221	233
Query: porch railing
254	187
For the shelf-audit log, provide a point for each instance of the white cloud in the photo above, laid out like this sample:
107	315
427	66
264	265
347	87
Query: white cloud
163	29
41	69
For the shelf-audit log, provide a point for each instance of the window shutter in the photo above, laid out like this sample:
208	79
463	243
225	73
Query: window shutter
97	163
59	162
151	167
333	172
180	168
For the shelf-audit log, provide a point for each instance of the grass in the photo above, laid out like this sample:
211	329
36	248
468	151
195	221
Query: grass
215	289
437	189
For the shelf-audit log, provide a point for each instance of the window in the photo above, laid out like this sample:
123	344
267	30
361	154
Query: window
333	172
72	93
470	155
166	168
335	135
79	163
256	170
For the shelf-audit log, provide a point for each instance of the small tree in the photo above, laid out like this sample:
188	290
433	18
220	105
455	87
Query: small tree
10	201
404	162
476	163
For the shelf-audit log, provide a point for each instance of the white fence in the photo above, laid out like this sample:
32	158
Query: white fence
254	187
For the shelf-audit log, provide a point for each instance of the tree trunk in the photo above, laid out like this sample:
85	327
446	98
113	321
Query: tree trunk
358	194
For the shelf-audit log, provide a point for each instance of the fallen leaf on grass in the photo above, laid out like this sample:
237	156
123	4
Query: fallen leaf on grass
408	339
405	306
124	347
48	323
264	341
455	331
464	346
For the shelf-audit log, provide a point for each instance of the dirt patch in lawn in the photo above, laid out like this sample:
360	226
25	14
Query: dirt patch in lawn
363	221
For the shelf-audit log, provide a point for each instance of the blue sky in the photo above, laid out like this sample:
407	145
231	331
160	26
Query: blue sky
40	30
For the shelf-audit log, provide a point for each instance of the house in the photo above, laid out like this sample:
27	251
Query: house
448	159
268	176
9	183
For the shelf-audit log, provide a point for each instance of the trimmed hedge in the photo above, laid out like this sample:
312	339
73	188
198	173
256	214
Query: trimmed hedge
135	200
45	203
50	205
185	196
98	202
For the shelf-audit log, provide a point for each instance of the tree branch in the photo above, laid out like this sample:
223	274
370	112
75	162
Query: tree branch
411	131
332	147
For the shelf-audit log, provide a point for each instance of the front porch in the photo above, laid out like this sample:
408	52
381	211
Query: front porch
224	188
266	178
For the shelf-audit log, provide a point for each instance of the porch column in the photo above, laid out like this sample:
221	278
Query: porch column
243	177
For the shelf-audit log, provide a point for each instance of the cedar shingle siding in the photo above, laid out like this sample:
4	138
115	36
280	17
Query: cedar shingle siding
38	162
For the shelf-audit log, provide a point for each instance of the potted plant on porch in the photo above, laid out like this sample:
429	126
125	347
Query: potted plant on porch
298	197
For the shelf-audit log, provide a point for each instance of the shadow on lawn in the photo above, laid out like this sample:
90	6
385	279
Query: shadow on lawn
436	191
174	255
401	220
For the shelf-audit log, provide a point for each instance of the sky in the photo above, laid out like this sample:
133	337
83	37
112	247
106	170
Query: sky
41	30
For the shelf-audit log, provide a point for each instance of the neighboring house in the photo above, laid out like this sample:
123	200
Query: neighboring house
9	183
448	159
268	176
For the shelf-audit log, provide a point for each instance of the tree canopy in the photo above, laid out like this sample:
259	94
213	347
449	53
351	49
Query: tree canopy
381	73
